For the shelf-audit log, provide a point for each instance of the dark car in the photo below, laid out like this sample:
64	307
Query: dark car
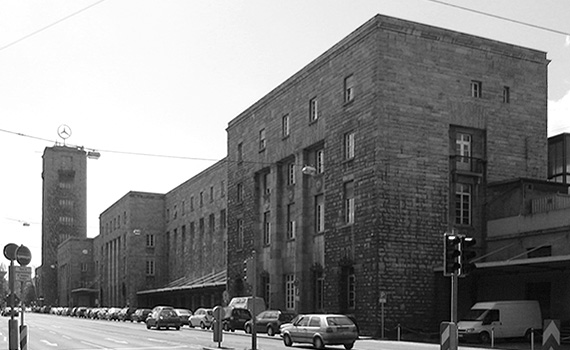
184	314
163	317
269	322
235	318
140	315
126	313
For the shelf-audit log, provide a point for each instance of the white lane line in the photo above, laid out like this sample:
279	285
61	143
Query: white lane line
66	337
48	343
117	341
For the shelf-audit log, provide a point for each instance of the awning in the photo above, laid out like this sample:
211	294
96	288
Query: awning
216	279
84	290
542	264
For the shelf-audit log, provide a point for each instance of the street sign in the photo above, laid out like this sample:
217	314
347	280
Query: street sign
22	273
23	255
10	251
382	297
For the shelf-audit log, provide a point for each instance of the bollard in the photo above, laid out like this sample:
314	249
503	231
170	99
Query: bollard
13	334
492	337
23	337
399	333
532	339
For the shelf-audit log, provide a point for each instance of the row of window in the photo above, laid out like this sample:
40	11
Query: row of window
201	201
201	228
477	91
291	290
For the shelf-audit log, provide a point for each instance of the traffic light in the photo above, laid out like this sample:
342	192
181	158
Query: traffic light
467	254
451	253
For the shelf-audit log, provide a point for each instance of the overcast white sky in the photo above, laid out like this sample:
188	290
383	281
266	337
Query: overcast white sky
165	77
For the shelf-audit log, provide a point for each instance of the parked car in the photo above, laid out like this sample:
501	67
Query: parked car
163	317
184	314
288	324
126	313
235	318
269	322
140	315
321	330
112	314
202	318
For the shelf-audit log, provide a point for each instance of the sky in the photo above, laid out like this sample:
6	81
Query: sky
152	84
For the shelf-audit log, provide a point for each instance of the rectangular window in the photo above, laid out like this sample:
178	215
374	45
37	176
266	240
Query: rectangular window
267	228
201	199
266	285
150	240
463	147
240	152
211	194
349	145
285	126
201	227
83	267
320	161
320	213
223	219
290	292
291	221
150	268
349	89
313	110
192	203
212	223
476	89
265	185
223	188
349	202
291	173
239	192
506	94
240	233
462	204
351	288
262	142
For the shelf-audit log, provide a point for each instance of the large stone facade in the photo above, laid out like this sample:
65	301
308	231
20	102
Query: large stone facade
396	101
64	211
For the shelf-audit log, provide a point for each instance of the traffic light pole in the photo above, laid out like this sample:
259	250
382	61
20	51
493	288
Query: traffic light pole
454	283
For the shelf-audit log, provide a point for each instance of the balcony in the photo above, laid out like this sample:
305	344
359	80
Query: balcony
468	166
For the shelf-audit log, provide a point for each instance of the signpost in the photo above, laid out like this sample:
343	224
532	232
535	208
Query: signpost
382	302
17	273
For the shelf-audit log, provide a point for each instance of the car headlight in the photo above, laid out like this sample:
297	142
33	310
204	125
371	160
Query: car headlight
469	330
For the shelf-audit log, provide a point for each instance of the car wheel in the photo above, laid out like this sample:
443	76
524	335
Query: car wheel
202	325
248	329
147	326
318	343
484	338
226	327
349	346
270	331
287	340
177	328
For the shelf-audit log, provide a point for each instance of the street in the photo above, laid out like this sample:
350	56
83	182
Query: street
71	333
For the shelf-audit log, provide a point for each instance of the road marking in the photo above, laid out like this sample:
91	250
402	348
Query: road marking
117	341
66	337
48	343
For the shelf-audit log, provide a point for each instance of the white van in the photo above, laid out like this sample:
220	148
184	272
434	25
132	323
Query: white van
500	319
247	303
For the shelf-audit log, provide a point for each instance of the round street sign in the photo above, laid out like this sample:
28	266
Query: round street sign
10	251
23	255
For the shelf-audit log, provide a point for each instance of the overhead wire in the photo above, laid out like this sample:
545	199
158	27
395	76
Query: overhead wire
50	25
500	17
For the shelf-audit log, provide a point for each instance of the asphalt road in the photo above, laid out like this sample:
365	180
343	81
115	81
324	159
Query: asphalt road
51	332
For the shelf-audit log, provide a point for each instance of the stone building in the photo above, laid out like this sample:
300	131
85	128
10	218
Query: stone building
195	242
64	211
399	128
76	272
131	249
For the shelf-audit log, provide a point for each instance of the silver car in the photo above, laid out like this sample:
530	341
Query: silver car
321	330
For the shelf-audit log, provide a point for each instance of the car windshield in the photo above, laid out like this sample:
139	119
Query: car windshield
475	315
339	321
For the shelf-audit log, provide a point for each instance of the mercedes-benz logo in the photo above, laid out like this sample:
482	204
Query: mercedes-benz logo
64	131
